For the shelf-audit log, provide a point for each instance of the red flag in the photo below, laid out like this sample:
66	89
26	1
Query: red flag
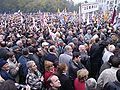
113	16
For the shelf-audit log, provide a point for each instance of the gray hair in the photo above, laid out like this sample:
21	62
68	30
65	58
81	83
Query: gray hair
67	48
29	64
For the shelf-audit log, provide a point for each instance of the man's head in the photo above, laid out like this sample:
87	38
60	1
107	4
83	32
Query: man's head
76	57
54	81
4	65
32	66
68	49
118	75
115	61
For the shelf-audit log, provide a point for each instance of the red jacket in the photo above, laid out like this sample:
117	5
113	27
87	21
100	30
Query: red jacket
79	85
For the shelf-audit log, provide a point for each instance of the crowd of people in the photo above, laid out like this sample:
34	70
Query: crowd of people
42	53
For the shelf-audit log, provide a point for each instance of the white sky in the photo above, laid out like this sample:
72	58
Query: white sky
78	1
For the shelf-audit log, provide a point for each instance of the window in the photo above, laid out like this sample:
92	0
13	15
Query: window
115	1
89	7
92	7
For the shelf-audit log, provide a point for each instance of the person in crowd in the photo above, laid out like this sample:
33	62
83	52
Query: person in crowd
75	65
62	72
113	85
60	46
49	70
13	65
23	70
66	57
76	42
17	51
91	84
3	50
72	45
80	81
106	65
81	39
109	74
108	53
40	54
88	36
54	83
95	54
34	78
84	55
4	70
45	46
69	36
52	55
20	44
8	85
32	56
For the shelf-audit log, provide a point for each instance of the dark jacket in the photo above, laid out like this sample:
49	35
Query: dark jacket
52	58
112	86
73	68
23	70
8	85
53	89
66	83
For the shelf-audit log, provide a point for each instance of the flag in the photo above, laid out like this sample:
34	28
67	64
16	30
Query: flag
88	19
79	14
105	16
58	10
113	16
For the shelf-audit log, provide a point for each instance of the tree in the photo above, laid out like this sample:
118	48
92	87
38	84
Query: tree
35	5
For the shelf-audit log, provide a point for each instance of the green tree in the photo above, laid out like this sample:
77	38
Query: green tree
35	5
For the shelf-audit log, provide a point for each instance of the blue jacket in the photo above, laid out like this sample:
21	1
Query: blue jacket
6	75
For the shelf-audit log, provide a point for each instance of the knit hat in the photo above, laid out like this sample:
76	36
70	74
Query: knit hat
2	62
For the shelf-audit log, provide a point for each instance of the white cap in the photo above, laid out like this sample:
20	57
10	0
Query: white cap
111	48
95	36
45	44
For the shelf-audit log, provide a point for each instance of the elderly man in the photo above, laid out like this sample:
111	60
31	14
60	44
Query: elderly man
66	57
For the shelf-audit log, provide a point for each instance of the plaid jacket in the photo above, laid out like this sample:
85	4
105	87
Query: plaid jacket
34	81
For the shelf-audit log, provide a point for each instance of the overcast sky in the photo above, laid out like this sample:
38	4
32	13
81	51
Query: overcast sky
77	1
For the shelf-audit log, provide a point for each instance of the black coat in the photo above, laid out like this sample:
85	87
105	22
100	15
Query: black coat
66	83
73	68
96	53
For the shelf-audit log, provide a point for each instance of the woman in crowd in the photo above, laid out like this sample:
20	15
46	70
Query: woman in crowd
80	81
49	70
